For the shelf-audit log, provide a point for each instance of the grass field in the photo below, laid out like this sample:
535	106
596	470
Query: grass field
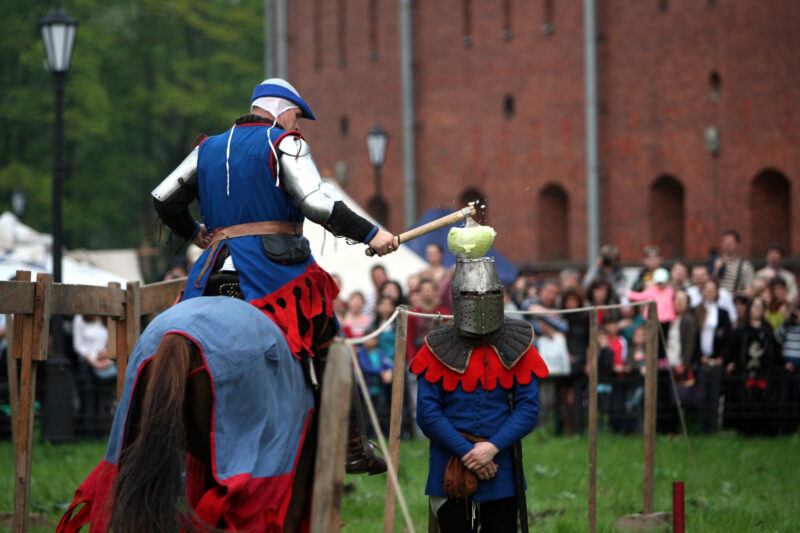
748	485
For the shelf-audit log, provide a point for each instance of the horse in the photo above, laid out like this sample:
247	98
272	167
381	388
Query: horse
214	431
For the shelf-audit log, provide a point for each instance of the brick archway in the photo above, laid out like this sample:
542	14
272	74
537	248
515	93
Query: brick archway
552	224
770	209
666	216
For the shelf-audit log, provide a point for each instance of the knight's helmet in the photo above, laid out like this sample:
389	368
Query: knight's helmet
477	296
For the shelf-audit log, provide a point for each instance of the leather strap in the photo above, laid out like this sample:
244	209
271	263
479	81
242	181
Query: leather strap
472	438
267	227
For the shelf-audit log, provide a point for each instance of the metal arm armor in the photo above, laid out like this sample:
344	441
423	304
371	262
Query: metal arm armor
182	174
302	180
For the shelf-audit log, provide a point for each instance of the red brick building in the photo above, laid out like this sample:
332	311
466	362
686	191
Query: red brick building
500	112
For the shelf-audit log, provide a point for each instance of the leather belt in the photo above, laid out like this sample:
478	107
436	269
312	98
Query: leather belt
267	227
472	438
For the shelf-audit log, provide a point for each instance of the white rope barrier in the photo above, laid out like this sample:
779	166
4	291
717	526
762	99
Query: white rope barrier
579	309
360	340
385	325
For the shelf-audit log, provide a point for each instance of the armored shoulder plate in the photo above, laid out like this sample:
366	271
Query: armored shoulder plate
453	349
183	173
512	341
302	180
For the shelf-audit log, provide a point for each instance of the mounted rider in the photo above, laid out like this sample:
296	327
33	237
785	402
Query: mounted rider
256	183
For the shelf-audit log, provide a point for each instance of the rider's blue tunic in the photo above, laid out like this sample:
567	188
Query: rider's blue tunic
237	185
241	189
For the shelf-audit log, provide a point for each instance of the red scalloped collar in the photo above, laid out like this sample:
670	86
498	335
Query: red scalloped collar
484	368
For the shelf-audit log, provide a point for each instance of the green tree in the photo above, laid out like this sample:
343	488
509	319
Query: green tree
147	77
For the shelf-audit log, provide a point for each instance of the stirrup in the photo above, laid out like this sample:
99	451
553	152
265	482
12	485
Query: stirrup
361	460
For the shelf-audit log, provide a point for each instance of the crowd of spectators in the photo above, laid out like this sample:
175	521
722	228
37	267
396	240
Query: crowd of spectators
728	348
728	339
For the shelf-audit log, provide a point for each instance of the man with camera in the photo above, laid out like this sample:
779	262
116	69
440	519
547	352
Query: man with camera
606	266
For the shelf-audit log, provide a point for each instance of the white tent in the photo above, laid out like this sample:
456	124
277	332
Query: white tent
350	262
23	248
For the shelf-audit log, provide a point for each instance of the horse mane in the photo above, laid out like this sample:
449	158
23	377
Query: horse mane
148	491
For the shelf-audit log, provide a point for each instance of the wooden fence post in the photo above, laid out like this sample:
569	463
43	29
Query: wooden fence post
396	417
334	412
118	343
133	318
31	305
650	406
30	345
13	382
593	355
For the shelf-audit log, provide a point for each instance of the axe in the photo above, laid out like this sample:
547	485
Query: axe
433	225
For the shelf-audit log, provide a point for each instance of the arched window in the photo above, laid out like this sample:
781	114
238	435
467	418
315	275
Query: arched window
508	107
475	195
715	82
552	224
666	216
770	209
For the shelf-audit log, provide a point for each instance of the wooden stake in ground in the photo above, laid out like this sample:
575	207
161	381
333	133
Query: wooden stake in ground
329	469
34	330
650	404
396	417
647	519
593	330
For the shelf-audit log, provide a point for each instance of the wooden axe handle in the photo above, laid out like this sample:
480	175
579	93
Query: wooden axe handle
433	225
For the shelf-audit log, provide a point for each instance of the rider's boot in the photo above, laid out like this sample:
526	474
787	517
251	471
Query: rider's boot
361	457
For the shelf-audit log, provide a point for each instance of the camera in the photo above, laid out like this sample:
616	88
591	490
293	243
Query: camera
608	261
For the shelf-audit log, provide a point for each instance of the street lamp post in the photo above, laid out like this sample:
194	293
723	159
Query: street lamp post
58	33
377	138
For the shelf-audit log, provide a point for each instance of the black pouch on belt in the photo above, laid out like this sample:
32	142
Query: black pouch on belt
286	249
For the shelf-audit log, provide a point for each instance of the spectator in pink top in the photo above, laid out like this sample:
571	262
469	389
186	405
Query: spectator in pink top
662	293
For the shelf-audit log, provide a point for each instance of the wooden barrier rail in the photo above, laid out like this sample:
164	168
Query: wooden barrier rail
32	304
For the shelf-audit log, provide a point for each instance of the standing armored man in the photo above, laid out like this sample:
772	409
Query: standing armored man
477	397
256	183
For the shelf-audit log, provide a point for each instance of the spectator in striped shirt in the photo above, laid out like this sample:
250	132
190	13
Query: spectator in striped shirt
732	271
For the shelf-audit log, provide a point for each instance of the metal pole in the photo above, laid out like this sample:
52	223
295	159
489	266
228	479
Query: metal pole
377	181
57	423
407	87
268	35
280	41
592	157
58	175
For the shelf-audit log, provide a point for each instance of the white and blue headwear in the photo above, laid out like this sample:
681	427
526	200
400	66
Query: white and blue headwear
276	96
